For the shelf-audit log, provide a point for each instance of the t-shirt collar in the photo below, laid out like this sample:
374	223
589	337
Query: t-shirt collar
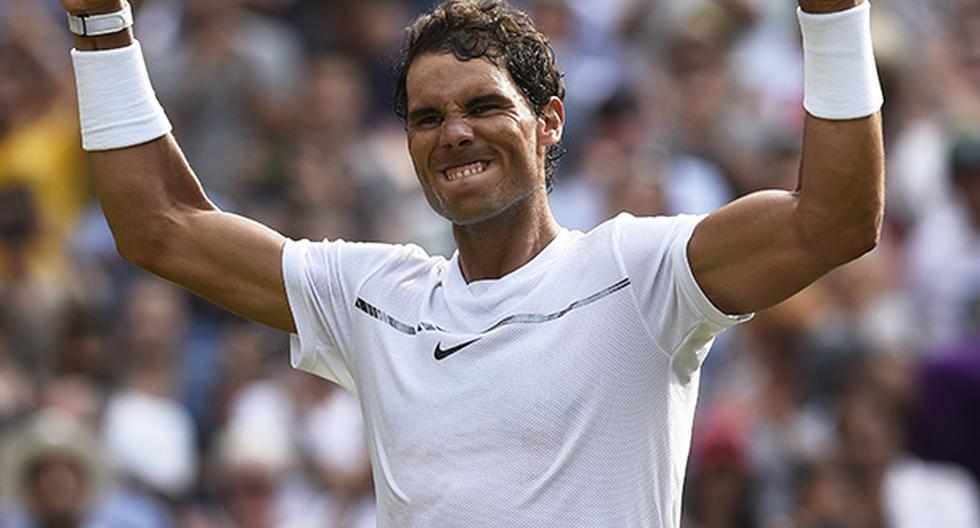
453	276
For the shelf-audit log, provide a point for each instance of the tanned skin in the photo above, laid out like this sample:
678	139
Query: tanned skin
746	256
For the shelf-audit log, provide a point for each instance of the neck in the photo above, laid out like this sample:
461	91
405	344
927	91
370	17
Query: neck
495	247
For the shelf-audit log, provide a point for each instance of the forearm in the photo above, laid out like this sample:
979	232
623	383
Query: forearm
144	188
159	215
841	188
163	222
841	183
764	247
145	192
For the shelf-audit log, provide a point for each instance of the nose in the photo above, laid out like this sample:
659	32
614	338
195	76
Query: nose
456	132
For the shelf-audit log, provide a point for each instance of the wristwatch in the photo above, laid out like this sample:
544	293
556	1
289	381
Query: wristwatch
93	25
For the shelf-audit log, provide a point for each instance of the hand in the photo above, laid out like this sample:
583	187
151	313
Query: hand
91	7
822	6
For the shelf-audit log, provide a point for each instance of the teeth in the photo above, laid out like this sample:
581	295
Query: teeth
463	171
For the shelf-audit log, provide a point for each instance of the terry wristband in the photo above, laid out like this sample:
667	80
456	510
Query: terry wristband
839	75
116	104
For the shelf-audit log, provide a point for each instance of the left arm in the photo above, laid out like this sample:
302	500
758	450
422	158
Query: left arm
761	249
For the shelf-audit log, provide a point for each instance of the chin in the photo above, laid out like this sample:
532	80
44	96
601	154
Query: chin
468	217
463	211
478	204
477	213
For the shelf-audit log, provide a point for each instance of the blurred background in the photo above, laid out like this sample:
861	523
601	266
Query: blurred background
125	401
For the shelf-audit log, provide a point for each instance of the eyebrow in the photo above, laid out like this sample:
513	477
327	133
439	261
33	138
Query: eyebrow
492	97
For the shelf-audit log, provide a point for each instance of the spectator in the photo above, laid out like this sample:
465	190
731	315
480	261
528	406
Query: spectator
284	108
896	489
944	255
55	475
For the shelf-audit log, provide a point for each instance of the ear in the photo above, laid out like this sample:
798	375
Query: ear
551	122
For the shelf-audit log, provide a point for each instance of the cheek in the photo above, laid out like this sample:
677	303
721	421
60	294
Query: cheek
521	141
532	149
414	150
421	144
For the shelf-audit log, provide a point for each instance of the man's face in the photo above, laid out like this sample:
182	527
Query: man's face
477	146
57	487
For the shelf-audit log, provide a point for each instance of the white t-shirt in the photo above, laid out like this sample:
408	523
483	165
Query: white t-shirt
565	392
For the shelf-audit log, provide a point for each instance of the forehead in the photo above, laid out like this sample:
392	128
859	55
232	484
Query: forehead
436	79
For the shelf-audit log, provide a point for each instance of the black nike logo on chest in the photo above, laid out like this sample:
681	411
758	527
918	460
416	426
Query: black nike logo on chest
442	353
532	318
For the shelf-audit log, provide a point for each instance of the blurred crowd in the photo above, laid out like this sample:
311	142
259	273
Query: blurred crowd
125	401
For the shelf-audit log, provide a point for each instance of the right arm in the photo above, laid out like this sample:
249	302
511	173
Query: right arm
163	222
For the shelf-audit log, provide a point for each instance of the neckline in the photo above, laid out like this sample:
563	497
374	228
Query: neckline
453	277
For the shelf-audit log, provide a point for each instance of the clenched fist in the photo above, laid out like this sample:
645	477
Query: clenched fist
91	7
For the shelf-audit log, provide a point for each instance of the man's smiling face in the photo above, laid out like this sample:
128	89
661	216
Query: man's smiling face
477	145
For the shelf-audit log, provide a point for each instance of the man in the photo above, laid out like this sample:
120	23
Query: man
540	377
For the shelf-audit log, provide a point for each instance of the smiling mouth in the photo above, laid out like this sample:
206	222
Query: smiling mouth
462	171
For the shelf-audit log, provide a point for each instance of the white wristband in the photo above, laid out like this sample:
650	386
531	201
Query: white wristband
840	78
116	104
102	24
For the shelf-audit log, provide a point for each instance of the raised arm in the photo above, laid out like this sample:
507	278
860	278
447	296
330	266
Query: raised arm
163	222
765	247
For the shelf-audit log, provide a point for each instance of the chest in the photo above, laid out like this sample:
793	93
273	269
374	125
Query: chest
526	381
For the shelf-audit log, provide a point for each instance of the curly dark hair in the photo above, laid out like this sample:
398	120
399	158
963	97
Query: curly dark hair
492	30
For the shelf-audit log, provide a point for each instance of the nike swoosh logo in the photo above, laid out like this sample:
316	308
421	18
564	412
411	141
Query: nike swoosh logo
442	353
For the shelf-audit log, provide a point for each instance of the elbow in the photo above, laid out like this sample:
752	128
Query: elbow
136	253
867	233
864	242
852	242
146	247
838	233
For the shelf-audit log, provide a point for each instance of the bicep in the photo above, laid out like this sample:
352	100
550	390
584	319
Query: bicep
754	253
230	260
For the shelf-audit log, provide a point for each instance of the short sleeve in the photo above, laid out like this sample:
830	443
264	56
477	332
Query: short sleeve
679	316
321	280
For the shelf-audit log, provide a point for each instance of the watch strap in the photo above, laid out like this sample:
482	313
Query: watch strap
103	24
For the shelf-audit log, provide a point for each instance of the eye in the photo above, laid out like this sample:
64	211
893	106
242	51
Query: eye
427	121
482	109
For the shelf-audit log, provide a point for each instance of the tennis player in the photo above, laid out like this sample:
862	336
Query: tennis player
540	377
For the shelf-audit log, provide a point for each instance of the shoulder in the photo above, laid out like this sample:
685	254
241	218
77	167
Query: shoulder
357	262
647	225
360	253
646	233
